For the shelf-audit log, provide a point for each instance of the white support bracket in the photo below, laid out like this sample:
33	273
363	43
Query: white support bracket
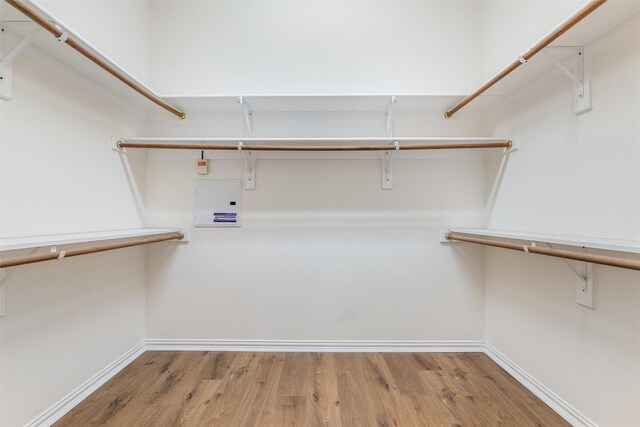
388	125
249	170
584	284
443	237
248	115
114	144
186	238
579	74
387	167
584	279
7	56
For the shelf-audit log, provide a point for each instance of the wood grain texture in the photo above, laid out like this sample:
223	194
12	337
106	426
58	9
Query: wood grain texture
312	389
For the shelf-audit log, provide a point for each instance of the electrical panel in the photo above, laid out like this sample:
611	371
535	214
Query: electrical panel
217	202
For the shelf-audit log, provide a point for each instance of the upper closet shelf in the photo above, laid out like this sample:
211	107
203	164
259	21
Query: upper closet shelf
320	102
27	23
618	245
62	43
561	47
33	242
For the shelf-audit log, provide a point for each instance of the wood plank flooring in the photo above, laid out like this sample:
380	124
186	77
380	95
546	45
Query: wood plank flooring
312	389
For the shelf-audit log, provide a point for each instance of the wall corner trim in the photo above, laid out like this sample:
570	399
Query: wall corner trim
551	399
68	402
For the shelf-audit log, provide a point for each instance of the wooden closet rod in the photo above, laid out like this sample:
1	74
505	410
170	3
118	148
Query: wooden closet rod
29	259
58	33
506	144
536	48
595	259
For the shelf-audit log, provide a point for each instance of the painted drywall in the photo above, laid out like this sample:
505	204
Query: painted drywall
57	172
230	47
324	253
573	175
66	320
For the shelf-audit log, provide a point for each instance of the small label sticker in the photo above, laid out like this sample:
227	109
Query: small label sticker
225	217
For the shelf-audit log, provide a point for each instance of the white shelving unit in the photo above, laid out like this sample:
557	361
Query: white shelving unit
594	26
323	141
45	48
33	242
17	27
250	156
617	245
424	102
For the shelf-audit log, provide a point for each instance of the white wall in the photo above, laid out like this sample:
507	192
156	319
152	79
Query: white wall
64	321
572	175
323	254
230	47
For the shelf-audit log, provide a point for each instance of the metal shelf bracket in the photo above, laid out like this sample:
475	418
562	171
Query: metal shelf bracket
579	74
7	56
248	115
388	125
249	170
584	279
387	167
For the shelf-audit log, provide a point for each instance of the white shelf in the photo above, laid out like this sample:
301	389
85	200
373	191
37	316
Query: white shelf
604	19
618	245
32	242
601	21
52	50
597	24
320	102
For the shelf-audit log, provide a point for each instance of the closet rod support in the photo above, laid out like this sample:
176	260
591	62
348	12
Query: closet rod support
580	76
10	56
249	170
6	68
387	166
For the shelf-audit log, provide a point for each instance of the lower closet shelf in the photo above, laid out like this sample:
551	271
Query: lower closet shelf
125	239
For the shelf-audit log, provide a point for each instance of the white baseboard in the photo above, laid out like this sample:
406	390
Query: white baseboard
58	410
563	408
555	402
314	346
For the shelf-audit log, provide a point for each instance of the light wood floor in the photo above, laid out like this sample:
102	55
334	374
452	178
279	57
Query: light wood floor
312	389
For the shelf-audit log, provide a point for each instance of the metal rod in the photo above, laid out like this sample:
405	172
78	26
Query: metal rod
57	32
122	144
577	256
533	50
29	259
